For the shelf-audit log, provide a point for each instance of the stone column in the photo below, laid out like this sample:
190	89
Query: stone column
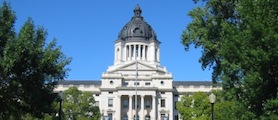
134	52
139	52
119	107
158	54
130	107
143	57
153	114
129	52
142	107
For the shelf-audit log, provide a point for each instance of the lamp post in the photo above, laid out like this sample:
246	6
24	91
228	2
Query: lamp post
60	102
212	98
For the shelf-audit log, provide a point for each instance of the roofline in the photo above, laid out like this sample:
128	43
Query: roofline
98	82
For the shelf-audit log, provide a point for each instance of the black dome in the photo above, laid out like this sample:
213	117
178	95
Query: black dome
137	28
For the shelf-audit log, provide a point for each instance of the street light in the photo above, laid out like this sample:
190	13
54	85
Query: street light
212	99
60	101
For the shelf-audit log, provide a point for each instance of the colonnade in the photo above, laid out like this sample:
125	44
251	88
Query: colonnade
131	112
136	50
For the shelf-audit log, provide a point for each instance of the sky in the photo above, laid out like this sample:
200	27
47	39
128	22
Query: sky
86	31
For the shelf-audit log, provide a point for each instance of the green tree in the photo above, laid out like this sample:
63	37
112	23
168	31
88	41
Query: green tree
30	68
194	107
198	107
78	105
239	39
7	20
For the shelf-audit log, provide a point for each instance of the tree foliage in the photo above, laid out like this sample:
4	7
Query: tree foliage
198	107
239	39
78	105
194	107
29	68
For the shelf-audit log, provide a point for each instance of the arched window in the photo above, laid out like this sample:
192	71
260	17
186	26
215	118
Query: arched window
118	54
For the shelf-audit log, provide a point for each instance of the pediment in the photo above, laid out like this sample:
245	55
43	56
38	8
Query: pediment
132	66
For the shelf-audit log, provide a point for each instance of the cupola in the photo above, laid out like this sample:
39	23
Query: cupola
137	29
137	42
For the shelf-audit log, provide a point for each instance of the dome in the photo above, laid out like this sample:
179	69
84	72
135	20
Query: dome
137	28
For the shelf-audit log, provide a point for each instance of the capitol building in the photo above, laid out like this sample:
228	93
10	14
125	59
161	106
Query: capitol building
136	86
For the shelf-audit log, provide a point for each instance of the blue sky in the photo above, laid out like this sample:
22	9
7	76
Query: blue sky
86	31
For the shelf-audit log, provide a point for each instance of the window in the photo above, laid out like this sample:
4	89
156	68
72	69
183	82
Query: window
163	117
97	94
110	92
136	83
147	83
125	83
125	117
125	103
138	103
162	82
162	103
162	92
148	104
118	54
110	116
110	102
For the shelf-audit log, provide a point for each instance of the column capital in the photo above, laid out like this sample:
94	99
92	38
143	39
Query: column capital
130	95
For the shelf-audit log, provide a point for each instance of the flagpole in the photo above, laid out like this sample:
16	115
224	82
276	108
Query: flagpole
136	77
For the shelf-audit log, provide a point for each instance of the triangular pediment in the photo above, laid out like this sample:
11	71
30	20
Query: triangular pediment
132	66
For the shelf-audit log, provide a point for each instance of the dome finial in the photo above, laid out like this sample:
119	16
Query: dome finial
137	11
